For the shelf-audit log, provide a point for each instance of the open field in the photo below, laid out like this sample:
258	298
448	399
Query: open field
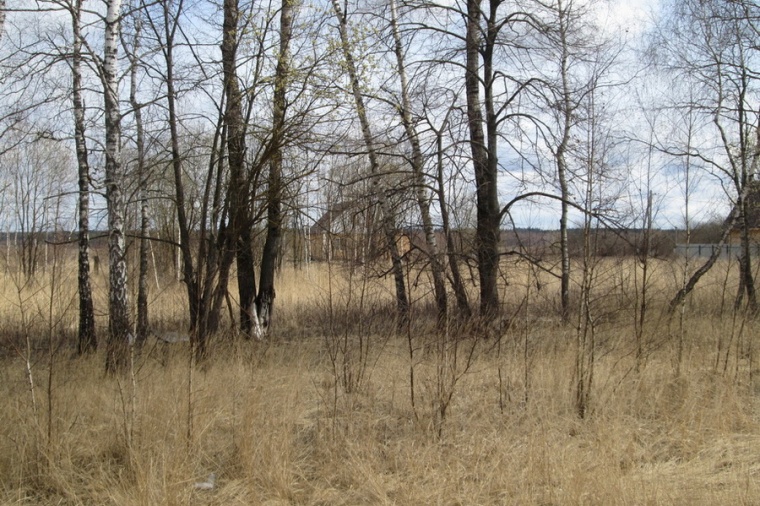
336	408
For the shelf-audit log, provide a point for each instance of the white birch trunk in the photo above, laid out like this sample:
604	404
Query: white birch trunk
423	200
118	300
87	340
377	181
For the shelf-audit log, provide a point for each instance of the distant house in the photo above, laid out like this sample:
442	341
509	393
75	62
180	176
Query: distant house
350	231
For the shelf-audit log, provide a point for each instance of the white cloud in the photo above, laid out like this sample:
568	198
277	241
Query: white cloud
631	16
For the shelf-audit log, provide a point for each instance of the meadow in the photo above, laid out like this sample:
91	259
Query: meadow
337	407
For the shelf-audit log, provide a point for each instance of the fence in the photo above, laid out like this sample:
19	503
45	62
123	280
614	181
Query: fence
706	250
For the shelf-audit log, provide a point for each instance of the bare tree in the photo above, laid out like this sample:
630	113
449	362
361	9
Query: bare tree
417	163
87	339
37	172
568	46
711	45
457	280
484	155
53	45
238	232
274	194
380	192
119	327
484	38
165	30
133	57
566	107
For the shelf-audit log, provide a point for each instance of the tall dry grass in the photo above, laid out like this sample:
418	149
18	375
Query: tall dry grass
277	424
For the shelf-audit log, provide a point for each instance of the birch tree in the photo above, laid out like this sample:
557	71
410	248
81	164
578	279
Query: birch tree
87	339
712	46
119	328
417	163
380	192
133	56
572	61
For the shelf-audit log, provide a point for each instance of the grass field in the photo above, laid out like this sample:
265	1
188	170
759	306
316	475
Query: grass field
336	408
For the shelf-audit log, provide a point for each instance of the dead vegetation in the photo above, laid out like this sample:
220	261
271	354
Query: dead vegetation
278	422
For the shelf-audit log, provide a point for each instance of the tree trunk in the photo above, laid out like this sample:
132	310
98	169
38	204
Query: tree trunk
171	23
566	118
211	237
87	339
142	176
484	156
246	278
238	239
417	163
746	278
118	296
380	191
457	283
265	298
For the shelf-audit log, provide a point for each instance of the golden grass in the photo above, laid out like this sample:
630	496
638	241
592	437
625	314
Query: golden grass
273	422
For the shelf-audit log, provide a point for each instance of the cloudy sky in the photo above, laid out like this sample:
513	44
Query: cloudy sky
631	19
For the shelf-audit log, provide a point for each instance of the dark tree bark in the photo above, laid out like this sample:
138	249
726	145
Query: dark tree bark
87	339
484	156
746	277
205	274
566	118
238	232
457	282
213	212
170	24
270	254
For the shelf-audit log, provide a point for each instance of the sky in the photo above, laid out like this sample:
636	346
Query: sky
631	19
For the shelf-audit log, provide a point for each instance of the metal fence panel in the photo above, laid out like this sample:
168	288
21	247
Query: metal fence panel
706	250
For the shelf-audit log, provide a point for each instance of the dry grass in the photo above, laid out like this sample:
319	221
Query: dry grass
273	421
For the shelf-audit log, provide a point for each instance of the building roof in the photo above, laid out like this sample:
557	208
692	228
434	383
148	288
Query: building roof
333	212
